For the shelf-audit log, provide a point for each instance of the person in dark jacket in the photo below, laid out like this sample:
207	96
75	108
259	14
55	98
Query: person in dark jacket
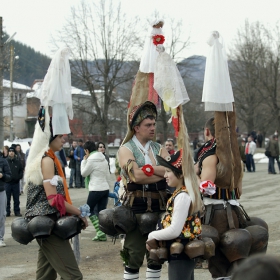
12	187
21	156
72	164
273	148
78	156
5	176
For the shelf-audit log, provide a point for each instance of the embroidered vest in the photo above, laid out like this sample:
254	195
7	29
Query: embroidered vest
138	154
192	227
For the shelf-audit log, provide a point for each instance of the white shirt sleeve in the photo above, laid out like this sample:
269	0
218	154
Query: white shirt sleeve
180	213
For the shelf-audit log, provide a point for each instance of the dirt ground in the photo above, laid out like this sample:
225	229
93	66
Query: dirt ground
101	260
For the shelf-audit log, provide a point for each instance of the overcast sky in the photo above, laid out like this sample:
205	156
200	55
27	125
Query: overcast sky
35	20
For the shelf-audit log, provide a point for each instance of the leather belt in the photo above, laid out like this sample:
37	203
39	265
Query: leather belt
153	195
160	195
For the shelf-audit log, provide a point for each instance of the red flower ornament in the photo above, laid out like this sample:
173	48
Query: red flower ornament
148	170
158	39
207	187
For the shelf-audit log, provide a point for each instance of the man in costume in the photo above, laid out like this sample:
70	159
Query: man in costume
207	161
145	184
46	187
219	172
145	187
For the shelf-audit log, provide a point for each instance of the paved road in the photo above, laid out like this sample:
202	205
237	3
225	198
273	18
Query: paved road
260	198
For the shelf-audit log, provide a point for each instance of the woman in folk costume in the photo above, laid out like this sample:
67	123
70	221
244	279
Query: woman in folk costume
46	187
219	172
181	223
185	202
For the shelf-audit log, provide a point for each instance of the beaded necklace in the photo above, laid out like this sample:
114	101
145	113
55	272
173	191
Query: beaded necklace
209	145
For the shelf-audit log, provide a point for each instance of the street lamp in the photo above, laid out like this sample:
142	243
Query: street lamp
1	80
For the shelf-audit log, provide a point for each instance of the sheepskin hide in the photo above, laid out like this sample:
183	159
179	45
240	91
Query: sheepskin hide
40	145
229	168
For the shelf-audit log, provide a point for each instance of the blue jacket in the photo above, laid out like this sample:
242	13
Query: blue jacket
79	152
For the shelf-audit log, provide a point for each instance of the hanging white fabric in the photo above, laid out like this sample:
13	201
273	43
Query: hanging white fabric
168	81
56	91
149	55
217	90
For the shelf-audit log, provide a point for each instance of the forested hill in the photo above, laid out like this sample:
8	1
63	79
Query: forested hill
30	65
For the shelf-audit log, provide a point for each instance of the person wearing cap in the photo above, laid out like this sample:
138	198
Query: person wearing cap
174	224
143	178
12	187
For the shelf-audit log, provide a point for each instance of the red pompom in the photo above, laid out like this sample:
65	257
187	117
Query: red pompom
148	170
158	39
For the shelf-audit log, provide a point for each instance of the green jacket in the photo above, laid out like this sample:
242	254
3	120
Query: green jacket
273	147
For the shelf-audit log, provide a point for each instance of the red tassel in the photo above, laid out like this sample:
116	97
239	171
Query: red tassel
175	123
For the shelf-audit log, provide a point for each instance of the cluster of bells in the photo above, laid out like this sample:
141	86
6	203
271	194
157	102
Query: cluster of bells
41	227
235	244
121	220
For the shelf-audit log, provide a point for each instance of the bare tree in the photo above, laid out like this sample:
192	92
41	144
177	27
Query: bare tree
104	44
254	69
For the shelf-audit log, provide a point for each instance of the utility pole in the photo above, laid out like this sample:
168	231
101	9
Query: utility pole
1	86
11	93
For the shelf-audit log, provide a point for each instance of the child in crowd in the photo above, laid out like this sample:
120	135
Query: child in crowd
115	193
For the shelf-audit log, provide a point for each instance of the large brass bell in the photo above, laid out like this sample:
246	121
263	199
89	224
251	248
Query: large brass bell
211	232
162	252
153	243
176	248
154	256
194	249
209	249
235	244
259	238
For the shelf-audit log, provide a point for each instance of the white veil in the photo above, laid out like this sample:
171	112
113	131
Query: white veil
217	91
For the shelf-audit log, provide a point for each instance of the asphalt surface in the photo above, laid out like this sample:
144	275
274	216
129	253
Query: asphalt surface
101	261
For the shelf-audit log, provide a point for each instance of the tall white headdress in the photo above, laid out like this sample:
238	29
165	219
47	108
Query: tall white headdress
217	91
56	91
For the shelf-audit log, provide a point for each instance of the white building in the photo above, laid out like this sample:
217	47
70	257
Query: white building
19	109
